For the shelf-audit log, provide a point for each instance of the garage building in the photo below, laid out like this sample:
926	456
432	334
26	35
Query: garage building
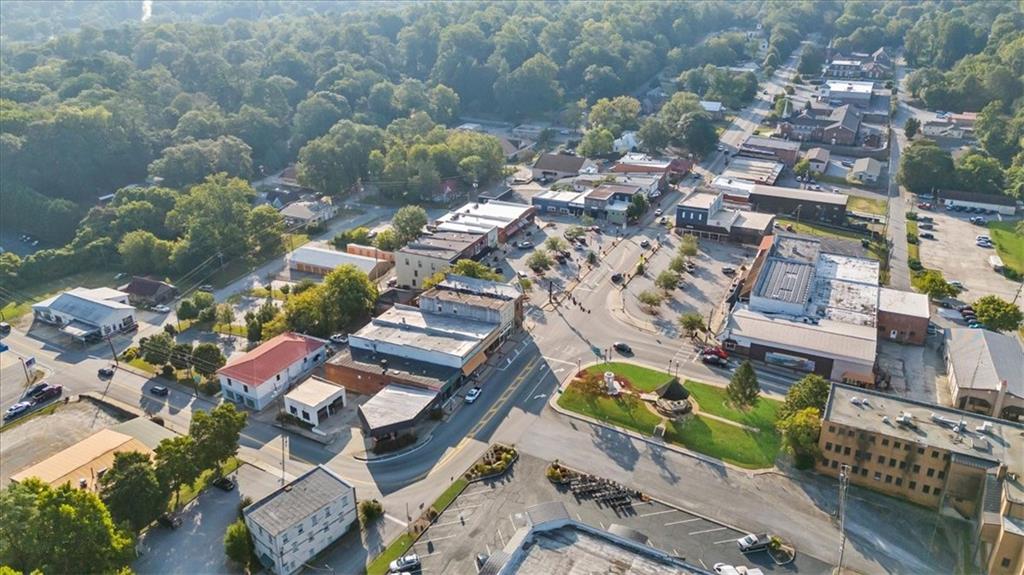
805	205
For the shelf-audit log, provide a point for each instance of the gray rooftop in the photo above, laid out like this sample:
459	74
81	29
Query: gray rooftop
983	359
441	244
411	370
786	281
304	496
774	143
800	195
479	286
395	404
82	307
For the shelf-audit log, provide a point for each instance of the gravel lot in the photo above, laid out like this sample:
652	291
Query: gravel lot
954	254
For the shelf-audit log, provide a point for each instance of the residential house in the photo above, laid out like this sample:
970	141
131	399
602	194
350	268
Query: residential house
866	170
255	378
292	524
558	166
309	213
87	314
515	149
818	159
148	292
714	109
627	142
985	372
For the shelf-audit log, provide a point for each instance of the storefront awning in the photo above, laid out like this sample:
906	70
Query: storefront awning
79	330
473	363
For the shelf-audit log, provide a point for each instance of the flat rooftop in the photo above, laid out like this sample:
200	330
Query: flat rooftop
826	338
395	405
406	369
448	245
564	197
753	170
307	494
850	87
933	425
801	195
904	303
772	143
479	286
699	199
321	256
472	299
784	280
733	186
409	326
313	391
497	212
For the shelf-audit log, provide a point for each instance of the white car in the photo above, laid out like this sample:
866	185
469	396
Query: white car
473	394
658	212
404	563
161	309
957	284
982	238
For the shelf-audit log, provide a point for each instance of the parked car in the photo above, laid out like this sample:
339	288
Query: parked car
924	205
524	245
663	220
522	275
161	308
958	285
984	244
473	394
982	238
17	410
206	288
107	371
404	563
933	329
927	235
169	521
159	390
658	212
339	338
750	543
729	271
392	282
622	347
49	392
5	328
925	219
964	308
975	325
223	483
712	359
616	277
715	350
645	243
34	390
925	226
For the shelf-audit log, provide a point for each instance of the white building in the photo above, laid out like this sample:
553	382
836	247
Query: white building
322	260
255	378
314	400
818	159
291	525
84	313
866	170
847	92
309	213
627	142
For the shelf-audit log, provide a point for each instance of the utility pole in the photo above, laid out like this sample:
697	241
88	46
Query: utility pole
113	351
844	482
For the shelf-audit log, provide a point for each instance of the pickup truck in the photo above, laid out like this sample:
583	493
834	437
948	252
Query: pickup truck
750	543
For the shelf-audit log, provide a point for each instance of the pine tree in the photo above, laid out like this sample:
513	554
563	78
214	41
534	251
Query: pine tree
743	389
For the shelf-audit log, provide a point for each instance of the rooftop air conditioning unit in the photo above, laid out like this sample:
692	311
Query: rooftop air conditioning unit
855	400
984	427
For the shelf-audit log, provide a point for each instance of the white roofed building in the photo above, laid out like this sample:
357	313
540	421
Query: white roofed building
321	260
84	313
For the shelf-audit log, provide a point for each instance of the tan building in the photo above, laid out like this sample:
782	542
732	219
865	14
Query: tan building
318	259
903	316
432	253
961	464
85	462
986	372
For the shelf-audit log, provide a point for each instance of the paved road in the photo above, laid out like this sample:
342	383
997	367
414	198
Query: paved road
899	273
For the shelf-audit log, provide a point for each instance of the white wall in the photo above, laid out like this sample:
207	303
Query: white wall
412	269
300	543
774	306
261	395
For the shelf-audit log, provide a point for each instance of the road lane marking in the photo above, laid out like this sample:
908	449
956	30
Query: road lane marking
723	541
683	521
656	513
709	530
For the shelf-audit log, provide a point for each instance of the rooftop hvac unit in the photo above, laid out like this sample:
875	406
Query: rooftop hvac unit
885	420
855	400
984	427
905	420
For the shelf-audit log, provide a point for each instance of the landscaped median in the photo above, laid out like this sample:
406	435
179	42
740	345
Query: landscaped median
743	437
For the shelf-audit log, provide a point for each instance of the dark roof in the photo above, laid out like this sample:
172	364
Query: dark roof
997	199
560	163
407	370
307	494
672	391
845	117
145	287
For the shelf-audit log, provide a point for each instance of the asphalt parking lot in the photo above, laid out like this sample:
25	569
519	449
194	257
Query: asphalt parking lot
482	519
954	253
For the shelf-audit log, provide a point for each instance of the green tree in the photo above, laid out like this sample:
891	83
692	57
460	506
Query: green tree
556	244
616	114
638	206
408	223
213	216
743	390
464	267
811	391
654	135
800	430
387	240
238	544
194	160
360	236
144	253
980	173
539	260
911	128
59	530
176	463
650	299
216	434
678	264
187	310
349	297
181	355
932	283
266	230
335	161
687	246
802	168
691	323
207	358
131	490
315	115
225	315
697	133
811	60
998	314
667	280
925	167
596	142
156	349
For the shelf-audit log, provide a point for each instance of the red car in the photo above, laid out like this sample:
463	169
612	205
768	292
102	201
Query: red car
49	392
714	350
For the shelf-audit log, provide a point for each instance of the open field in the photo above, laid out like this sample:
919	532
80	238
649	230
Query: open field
1009	244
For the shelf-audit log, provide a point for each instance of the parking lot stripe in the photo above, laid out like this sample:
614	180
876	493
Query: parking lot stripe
656	513
432	539
683	521
723	541
709	530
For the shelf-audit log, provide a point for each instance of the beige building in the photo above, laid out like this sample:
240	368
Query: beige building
963	465
319	259
986	372
433	253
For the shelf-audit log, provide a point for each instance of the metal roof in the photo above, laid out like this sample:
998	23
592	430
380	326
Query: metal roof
785	281
800	195
983	359
83	306
304	496
324	257
395	405
826	338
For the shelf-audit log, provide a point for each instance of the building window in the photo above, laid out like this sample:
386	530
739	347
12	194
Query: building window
863	471
849	433
831	429
828	446
896	444
913	485
1005	562
846	451
942	474
245	388
926	489
903	465
881	459
931	472
824	462
885	442
899	481
936	492
920	451
856	469
835	464
292	409
279	377
917	469
305	415
888	478
878	476
935	454
892	462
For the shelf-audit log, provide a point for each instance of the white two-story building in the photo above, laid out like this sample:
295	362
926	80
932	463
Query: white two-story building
291	525
259	376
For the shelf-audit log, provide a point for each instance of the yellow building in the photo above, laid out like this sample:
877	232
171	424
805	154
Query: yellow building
961	464
85	462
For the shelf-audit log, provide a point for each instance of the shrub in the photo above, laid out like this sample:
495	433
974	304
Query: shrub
210	386
911	238
130	354
370	510
915	264
554	474
167	371
912	216
245	502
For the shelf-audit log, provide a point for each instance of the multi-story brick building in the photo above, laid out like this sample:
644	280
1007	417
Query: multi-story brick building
961	464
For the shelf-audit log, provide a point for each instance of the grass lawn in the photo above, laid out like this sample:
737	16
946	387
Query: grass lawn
30	294
726	442
231	329
189	492
1009	245
712	399
633	415
144	365
866	205
816	230
642	378
449	495
398	547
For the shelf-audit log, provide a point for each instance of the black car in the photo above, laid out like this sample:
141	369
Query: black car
169	521
645	243
5	328
616	277
35	389
622	347
106	371
159	390
49	392
713	359
223	483
927	235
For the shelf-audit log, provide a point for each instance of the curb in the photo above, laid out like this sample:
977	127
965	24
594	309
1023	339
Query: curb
553	403
392	456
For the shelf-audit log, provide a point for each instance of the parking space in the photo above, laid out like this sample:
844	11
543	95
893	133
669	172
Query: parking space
954	253
484	517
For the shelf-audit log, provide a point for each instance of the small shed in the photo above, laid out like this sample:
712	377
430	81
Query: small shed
314	400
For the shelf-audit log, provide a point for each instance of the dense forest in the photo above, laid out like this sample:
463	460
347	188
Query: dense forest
94	97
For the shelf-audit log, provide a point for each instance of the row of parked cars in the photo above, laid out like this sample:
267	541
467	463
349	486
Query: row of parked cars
37	394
